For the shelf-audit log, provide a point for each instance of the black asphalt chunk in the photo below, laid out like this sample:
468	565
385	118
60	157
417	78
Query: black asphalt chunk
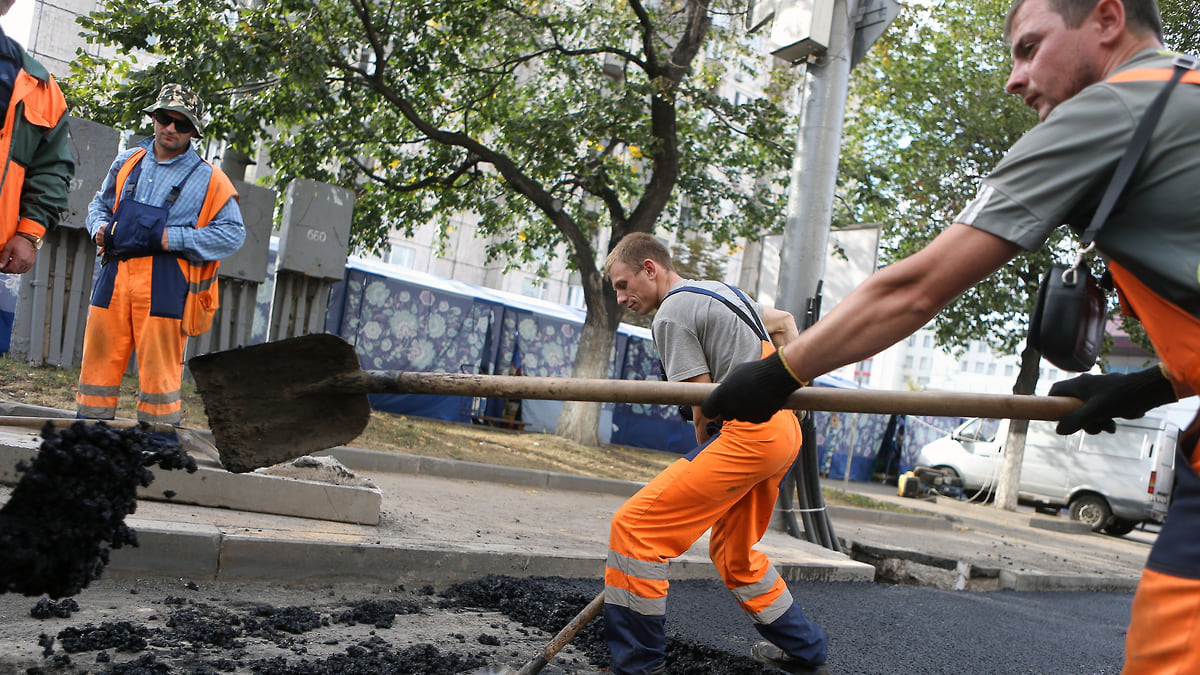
68	510
549	603
46	608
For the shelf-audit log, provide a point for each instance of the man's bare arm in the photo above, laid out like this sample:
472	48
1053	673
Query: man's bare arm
780	325
898	300
698	418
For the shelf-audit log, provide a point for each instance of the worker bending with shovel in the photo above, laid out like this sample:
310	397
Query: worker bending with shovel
729	483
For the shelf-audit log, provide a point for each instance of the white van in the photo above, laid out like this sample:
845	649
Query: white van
1112	482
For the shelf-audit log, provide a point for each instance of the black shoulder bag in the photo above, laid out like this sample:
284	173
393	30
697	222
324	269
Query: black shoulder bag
1067	324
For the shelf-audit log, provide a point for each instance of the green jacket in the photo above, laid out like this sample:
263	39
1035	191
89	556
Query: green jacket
38	166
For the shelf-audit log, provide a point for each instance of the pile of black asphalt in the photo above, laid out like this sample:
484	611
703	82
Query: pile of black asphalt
68	510
549	603
188	633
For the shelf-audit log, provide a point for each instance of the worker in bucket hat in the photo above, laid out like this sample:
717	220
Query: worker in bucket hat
163	219
180	99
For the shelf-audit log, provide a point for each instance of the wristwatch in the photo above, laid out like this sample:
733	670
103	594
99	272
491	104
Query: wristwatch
33	239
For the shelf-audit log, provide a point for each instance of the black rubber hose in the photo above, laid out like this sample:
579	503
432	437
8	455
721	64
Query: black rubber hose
811	476
794	483
787	504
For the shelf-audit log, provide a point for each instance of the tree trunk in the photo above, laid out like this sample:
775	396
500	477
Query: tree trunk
580	420
1014	446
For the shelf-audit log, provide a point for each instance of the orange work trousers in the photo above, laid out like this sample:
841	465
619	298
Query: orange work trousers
729	485
113	333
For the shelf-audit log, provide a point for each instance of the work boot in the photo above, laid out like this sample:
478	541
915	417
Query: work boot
765	652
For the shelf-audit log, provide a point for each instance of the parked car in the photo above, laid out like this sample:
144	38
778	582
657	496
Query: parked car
1112	482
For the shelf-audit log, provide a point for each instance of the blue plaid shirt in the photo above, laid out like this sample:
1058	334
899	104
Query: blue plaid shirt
221	238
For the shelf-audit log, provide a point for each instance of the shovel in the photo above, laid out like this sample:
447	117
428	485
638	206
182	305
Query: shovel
276	401
548	652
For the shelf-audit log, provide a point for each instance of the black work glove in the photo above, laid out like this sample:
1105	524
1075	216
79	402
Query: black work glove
753	392
1108	396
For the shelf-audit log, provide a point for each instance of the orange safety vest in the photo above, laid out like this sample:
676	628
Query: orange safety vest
1174	332
203	295
44	107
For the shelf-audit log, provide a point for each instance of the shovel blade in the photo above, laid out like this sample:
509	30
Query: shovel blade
264	404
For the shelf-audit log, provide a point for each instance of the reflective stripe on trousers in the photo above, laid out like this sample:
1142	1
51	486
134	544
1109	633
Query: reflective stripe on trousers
111	336
729	485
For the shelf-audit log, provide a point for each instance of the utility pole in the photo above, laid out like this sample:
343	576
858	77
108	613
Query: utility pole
814	166
853	26
829	37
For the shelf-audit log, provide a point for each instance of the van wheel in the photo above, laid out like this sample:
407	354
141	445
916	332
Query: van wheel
950	477
1093	510
1119	527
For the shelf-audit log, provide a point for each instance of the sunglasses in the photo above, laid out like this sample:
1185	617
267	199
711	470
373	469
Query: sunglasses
182	125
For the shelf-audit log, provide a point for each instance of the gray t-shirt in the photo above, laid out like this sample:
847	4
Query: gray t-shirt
1056	174
697	334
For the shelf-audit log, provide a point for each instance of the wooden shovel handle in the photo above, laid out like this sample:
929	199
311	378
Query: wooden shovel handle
564	636
933	403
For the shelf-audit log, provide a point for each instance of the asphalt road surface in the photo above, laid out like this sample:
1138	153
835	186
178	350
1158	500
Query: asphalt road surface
178	626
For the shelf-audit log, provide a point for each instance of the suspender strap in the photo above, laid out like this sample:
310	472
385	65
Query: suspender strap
175	190
755	325
136	173
1137	146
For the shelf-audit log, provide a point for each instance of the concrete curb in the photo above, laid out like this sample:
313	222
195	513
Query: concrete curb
1060	525
204	553
373	460
1039	581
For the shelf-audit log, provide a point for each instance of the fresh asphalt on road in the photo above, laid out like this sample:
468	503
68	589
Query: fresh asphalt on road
874	628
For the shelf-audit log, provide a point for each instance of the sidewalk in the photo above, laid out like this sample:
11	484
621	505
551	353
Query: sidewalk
439	522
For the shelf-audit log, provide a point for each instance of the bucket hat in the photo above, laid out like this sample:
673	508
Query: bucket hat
180	99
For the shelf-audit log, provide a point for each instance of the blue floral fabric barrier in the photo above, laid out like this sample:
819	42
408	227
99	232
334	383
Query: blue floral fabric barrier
854	442
10	287
921	431
406	321
848	442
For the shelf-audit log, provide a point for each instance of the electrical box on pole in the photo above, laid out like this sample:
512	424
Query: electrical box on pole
801	28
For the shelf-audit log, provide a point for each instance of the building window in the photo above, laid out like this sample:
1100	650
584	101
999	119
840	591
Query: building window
533	287
908	362
927	342
1009	370
991	369
402	256
575	296
924	363
979	367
